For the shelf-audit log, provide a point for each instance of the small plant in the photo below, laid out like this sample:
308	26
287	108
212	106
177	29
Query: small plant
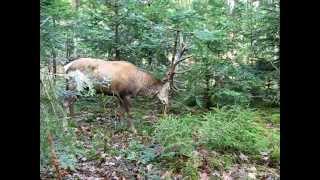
190	168
53	121
221	161
176	134
233	128
139	153
229	97
275	155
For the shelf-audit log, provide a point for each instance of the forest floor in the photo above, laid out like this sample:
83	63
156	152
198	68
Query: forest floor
112	152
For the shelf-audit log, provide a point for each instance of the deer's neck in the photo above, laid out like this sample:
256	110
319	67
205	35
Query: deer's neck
149	85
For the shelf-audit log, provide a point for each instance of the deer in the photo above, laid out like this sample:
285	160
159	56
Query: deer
123	80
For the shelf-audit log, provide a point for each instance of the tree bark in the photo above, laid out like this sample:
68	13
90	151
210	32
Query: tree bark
54	64
117	51
76	4
206	96
54	61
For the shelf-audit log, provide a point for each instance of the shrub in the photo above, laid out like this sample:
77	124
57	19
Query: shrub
233	129
229	97
53	120
176	134
229	128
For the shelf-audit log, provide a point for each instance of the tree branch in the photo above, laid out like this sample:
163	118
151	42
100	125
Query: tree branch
177	62
181	72
44	21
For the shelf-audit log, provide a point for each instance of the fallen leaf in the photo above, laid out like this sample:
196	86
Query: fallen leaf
216	173
204	176
111	163
149	167
252	175
253	169
243	157
226	176
266	158
167	174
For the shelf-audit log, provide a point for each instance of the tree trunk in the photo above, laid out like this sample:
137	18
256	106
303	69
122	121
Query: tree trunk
206	96
76	4
117	40
116	10
54	64
69	49
54	61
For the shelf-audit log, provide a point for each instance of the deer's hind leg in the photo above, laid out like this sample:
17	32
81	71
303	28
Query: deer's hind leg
121	112
70	98
127	105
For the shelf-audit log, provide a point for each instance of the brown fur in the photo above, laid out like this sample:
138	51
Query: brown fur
126	80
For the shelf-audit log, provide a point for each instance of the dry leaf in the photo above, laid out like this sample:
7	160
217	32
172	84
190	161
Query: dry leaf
204	176
252	175
226	176
167	174
243	157
149	167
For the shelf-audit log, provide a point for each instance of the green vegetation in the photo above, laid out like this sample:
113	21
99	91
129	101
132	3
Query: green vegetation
224	116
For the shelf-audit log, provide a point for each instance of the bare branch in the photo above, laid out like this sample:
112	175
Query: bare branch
180	60
181	72
175	47
274	66
178	81
44	21
176	89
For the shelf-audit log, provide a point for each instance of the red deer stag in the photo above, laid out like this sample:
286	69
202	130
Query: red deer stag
121	79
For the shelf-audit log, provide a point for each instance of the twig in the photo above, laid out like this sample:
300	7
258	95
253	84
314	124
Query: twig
181	72
44	21
278	70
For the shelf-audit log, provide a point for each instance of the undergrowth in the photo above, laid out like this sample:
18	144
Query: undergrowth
228	129
53	121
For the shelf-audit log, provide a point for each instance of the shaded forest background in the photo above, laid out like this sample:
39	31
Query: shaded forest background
232	79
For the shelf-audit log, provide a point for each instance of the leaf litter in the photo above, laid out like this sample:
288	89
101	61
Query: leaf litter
116	167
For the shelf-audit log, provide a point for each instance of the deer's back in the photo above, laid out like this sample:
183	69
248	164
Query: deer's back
121	75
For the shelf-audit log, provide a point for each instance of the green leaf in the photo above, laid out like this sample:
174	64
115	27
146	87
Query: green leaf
205	35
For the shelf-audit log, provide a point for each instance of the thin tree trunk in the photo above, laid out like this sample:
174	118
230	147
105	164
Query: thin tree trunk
49	66
117	51
117	40
69	48
76	4
54	64
72	44
206	95
54	61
